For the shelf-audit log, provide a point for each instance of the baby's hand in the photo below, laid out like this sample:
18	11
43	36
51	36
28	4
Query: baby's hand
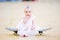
32	28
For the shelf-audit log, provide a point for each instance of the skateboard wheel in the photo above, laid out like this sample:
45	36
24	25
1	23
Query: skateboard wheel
15	32
40	32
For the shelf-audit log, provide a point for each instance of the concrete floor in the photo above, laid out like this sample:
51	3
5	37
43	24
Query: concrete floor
47	13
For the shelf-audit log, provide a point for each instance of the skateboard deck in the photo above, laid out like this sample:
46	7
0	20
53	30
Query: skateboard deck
41	29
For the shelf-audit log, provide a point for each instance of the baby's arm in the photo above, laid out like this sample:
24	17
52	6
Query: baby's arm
33	25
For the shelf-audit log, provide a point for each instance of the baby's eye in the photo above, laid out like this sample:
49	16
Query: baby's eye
26	12
29	11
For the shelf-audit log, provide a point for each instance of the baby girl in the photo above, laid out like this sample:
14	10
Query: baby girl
26	27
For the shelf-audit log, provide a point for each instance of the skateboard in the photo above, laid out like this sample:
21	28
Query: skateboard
40	31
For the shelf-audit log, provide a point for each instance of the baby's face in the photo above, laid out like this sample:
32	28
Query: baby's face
27	13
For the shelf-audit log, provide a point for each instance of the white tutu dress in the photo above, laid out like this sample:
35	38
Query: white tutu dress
25	29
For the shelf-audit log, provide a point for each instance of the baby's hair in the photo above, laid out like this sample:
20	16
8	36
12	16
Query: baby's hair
28	8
